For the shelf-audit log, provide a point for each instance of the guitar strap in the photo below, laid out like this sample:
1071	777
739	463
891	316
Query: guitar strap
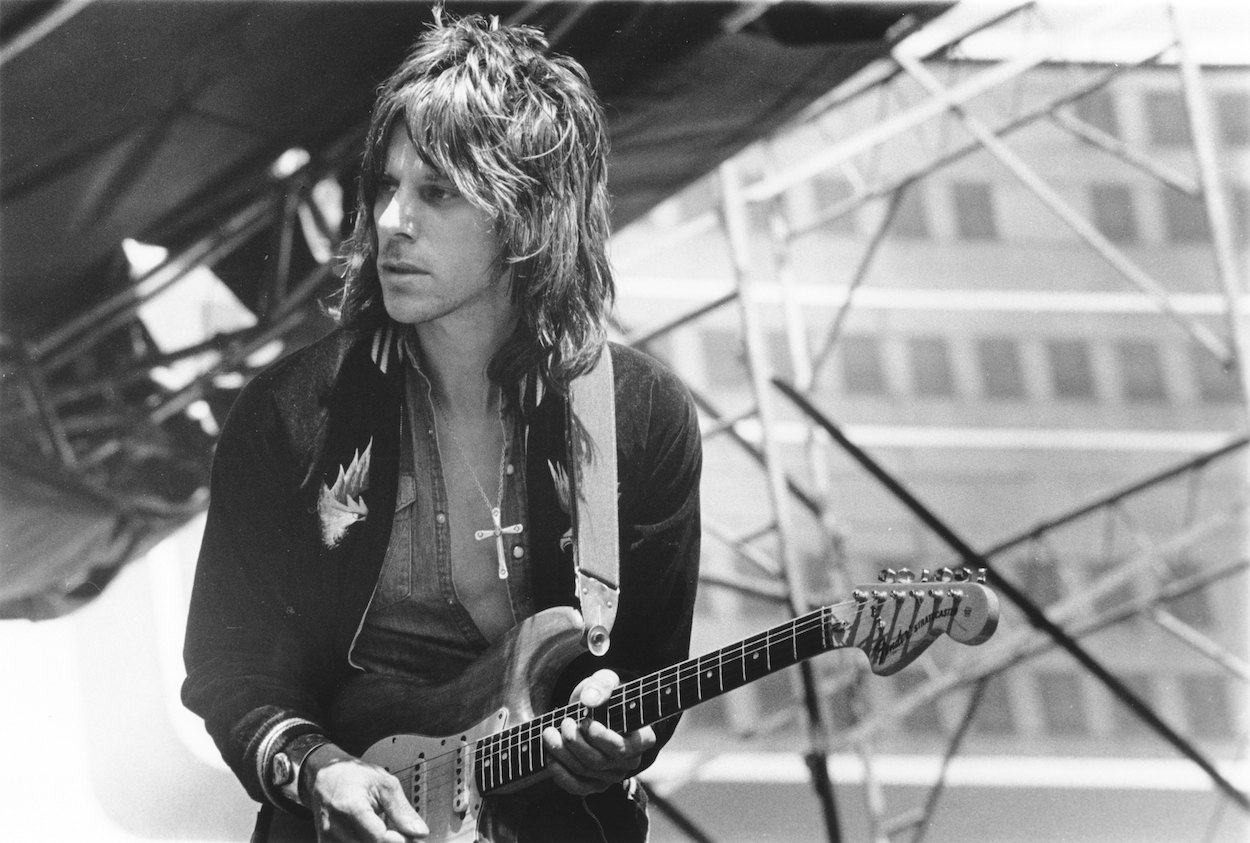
591	432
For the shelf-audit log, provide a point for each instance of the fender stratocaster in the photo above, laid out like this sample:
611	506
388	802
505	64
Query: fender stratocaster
490	738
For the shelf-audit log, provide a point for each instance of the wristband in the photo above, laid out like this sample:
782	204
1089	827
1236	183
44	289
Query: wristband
286	764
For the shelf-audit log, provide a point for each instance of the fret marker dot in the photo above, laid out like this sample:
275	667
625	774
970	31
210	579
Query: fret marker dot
708	674
633	705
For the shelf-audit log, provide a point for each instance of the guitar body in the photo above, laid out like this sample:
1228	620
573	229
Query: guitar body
423	733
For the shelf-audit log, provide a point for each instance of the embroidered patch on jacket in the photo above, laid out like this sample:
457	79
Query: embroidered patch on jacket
341	505
561	479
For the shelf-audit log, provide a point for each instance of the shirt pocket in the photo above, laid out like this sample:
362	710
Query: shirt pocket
395	583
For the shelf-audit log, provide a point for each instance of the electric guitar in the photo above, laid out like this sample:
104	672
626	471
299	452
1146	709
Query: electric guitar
490	738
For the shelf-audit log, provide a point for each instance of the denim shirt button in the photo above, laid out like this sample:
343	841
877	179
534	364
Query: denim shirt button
441	517
517	551
509	469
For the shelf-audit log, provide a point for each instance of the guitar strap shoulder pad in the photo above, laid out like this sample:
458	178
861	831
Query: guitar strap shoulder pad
591	432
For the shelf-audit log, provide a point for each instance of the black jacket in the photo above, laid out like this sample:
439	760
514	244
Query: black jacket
274	610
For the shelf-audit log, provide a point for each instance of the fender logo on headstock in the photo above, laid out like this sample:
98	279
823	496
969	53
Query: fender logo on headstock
897	619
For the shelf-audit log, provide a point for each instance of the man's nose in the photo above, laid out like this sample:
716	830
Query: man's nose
397	217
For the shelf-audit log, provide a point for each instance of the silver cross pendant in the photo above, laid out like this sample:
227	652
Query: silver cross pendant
498	532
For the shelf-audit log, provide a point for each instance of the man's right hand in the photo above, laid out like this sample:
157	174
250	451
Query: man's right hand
356	802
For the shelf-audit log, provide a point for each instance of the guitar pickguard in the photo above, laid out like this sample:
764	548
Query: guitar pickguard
437	776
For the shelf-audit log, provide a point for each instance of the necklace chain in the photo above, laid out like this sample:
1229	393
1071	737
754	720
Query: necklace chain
455	441
496	510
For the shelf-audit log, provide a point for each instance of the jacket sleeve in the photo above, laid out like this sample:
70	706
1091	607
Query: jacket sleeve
250	673
661	519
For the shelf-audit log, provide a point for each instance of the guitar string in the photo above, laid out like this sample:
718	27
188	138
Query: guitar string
501	743
527	733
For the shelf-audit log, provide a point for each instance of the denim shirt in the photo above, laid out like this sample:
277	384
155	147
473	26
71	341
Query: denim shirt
416	624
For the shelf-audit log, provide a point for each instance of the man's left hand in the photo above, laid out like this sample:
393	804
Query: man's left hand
588	757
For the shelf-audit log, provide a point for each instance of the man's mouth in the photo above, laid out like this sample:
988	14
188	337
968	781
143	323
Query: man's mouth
400	268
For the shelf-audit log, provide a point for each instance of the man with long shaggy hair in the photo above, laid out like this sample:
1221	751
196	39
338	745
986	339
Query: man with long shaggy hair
389	503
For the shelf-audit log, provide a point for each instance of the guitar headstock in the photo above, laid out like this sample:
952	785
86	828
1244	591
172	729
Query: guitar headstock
896	619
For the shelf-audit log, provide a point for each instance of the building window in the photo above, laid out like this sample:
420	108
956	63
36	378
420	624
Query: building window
1098	110
1114	214
722	359
1141	372
911	219
1001	373
863	372
828	191
1206	701
931	373
1232	115
1184	218
1167	124
1071	371
1063	706
974	210
1216	385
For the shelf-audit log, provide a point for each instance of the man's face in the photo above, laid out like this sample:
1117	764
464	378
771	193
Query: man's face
438	254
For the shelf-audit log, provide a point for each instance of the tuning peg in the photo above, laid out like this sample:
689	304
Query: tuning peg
888	575
906	575
926	575
859	595
981	575
963	574
945	574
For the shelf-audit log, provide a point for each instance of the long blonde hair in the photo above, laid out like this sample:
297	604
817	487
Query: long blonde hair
521	135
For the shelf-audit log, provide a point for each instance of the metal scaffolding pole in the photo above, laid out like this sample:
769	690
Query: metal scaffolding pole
1197	106
738	233
801	364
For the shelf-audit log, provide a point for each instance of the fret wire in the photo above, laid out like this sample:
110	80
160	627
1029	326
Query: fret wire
674	675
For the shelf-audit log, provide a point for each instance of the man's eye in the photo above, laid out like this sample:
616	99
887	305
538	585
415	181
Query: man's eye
439	192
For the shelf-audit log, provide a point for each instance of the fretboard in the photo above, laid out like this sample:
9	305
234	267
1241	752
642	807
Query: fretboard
519	751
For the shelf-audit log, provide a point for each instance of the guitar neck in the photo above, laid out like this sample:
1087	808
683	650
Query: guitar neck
892	622
518	751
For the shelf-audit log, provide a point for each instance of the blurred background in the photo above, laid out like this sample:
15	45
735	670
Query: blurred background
1000	248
